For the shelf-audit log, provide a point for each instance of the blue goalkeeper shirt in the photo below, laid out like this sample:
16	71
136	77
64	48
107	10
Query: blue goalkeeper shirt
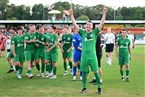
77	42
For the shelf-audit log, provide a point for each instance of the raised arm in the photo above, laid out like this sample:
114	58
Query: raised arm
70	13
100	26
73	20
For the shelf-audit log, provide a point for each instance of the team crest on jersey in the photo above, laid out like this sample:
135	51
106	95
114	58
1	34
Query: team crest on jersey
42	38
126	43
91	35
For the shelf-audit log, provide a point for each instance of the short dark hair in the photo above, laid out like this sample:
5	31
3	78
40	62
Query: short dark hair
31	25
124	30
89	21
14	28
66	27
53	27
20	28
39	26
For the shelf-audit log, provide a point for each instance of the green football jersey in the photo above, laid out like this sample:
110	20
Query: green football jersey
18	42
123	45
30	46
67	40
88	42
41	38
53	39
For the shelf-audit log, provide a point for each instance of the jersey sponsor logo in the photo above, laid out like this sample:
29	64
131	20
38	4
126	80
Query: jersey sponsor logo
19	45
26	37
123	46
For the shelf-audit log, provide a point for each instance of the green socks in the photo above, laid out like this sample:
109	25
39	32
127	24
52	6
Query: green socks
21	69
121	72
84	78
48	68
29	72
54	70
42	68
70	64
65	66
97	76
127	73
38	67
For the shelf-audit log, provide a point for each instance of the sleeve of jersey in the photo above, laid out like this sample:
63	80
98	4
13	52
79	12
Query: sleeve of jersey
129	44
81	32
96	31
13	40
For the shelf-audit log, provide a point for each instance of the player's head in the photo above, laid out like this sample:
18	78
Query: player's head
52	29
8	37
41	29
66	30
20	30
13	30
48	30
109	30
129	32
124	32
89	25
32	28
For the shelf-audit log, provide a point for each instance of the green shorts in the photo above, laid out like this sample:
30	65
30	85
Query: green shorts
10	55
51	56
20	57
30	55
67	55
124	60
86	62
40	54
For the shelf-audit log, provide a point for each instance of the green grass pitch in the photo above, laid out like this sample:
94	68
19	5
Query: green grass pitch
63	86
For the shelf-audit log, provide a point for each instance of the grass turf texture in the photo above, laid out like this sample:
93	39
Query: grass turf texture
112	86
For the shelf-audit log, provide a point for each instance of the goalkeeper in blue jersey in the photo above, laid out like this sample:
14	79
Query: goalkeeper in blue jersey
77	43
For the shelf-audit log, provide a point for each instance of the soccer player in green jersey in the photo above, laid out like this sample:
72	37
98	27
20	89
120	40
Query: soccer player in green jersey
124	55
42	41
30	40
10	55
88	48
66	48
48	67
18	51
52	52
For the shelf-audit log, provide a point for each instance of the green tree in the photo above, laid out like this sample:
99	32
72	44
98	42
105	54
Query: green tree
38	12
83	17
138	14
3	8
